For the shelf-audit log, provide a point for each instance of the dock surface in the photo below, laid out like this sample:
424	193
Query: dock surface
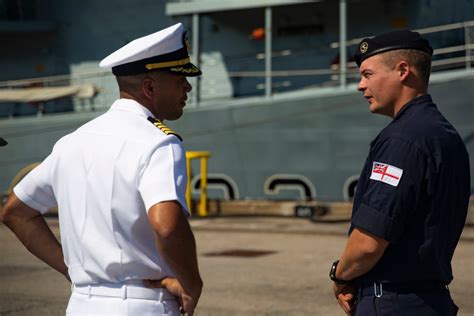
250	266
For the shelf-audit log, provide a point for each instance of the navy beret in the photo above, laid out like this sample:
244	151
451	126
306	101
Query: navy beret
404	39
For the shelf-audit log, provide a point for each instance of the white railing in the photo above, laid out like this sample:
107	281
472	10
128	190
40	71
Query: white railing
468	45
463	58
54	80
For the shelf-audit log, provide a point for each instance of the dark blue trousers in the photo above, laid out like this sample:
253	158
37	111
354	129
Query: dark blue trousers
421	303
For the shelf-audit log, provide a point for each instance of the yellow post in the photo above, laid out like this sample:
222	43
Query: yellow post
203	156
188	185
203	202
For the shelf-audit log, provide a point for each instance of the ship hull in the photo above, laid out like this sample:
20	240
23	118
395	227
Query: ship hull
307	145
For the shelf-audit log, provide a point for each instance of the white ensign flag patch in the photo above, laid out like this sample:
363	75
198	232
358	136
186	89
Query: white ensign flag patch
386	173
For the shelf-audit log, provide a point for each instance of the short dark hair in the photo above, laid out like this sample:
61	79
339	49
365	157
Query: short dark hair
420	60
126	83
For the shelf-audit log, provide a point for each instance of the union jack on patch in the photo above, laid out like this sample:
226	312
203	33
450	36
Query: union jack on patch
386	173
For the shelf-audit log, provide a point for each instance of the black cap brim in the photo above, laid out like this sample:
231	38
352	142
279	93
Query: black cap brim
3	142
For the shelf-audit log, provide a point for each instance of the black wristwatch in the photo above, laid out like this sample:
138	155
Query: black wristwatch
332	274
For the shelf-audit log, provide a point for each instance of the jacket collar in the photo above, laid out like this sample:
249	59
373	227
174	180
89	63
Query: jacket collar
129	105
426	98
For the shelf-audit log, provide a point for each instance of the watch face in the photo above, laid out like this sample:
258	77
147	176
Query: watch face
332	272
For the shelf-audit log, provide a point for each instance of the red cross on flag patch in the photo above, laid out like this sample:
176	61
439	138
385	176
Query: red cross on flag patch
386	173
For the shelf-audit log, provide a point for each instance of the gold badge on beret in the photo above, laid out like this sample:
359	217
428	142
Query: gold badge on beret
364	46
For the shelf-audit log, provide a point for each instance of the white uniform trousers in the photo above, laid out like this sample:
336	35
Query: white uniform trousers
121	299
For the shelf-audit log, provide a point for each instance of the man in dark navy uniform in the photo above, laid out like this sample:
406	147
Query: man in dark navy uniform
413	193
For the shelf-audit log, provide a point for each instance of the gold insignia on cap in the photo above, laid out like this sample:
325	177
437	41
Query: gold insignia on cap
184	70
165	129
168	64
364	46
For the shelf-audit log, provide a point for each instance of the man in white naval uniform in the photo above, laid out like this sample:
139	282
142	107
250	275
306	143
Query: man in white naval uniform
119	182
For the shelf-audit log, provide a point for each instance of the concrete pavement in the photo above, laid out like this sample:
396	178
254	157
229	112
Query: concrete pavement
250	266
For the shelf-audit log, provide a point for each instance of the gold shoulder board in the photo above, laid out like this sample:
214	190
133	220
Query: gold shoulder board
165	129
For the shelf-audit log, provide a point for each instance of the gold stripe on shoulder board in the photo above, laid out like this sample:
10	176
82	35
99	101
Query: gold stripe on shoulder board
165	129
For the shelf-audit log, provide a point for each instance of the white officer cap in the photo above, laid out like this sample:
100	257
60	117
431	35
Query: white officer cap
166	49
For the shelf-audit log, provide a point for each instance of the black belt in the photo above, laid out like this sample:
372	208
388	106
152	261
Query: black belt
378	288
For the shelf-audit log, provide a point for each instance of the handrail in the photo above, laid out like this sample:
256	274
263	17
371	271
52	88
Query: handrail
467	59
452	49
446	27
426	30
55	78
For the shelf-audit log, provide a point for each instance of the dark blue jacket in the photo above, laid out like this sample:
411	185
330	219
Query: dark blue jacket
414	192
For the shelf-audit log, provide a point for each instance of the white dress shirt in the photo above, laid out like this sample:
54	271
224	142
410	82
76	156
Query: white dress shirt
104	177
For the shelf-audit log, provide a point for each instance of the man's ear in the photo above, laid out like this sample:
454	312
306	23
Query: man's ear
403	69
148	88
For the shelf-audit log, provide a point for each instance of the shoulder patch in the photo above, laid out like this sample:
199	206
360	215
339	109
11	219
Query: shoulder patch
165	129
386	173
